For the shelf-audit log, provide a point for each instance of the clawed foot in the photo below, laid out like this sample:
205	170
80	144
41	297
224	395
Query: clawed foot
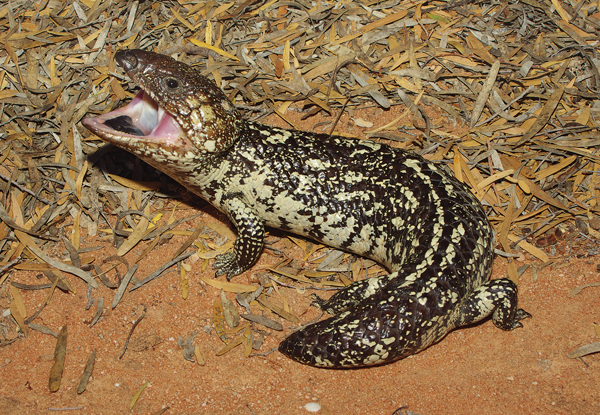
227	264
519	315
318	302
321	304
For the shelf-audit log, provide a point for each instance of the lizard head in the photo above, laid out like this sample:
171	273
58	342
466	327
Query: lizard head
177	114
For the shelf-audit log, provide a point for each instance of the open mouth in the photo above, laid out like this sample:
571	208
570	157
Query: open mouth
142	119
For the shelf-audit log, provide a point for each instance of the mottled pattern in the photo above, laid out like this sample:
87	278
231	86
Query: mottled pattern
357	195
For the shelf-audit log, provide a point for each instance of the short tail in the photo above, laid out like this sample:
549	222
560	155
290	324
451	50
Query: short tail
374	332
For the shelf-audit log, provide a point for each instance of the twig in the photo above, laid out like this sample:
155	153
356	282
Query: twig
131	331
24	189
159	271
9	264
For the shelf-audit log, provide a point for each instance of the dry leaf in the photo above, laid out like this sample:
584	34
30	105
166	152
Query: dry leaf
60	352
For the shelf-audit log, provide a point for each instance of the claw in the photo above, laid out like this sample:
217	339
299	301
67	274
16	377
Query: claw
521	314
226	264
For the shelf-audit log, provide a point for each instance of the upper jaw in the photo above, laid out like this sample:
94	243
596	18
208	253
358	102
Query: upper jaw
142	122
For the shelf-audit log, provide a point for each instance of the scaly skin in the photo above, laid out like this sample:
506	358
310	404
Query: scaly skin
356	195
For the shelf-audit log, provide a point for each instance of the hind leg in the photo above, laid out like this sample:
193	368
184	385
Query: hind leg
352	294
495	297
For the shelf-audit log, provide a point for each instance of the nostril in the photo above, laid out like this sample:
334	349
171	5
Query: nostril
126	59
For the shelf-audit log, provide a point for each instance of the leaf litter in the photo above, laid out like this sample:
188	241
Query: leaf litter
504	95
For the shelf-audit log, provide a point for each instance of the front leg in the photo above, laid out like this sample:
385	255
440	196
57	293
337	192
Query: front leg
248	245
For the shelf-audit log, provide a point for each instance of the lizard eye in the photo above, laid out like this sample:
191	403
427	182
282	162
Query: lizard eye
172	83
